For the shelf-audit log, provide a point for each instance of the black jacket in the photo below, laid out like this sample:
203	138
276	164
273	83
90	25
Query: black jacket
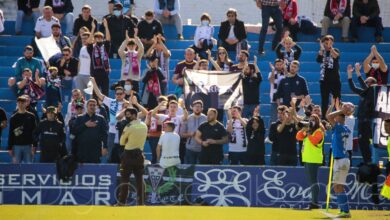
256	144
370	9
328	13
51	138
21	128
366	102
22	6
80	22
239	30
65	8
89	141
118	27
147	31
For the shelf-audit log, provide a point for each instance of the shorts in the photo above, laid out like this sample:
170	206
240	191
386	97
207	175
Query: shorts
340	170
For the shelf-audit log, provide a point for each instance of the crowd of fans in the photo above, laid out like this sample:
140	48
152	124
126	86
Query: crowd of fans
96	125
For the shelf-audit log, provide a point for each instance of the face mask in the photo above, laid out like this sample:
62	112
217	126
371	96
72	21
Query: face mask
131	51
375	65
117	13
127	87
99	43
205	23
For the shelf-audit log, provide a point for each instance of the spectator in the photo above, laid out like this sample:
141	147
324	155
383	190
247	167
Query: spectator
85	19
168	146
61	41
119	26
243	58
132	161
81	41
269	9
27	61
312	156
153	84
272	136
365	110
203	38
30	87
232	34
63	11
290	17
188	63
255	132
75	107
3	121
30	108
50	135
158	49
84	70
53	88
70	143
90	131
330	83
148	29
275	77
100	62
211	135
337	13
131	60
223	59
189	130
114	106
45	22
67	70
291	52
251	79
285	136
366	12
168	12
21	146
292	86
237	136
375	66
26	8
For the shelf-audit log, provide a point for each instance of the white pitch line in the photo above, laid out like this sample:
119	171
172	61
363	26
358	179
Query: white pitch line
332	216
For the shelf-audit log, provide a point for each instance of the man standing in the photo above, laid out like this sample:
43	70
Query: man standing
50	135
366	12
84	69
21	146
90	131
270	8
330	82
237	136
211	135
375	66
168	12
189	130
341	162
232	34
188	63
132	161
85	19
148	29
251	79
275	77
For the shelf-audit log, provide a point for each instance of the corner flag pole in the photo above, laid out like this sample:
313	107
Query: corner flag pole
329	182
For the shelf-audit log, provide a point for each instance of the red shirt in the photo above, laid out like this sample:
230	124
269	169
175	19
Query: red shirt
290	11
381	77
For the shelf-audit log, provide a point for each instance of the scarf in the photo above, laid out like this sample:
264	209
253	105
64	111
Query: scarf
289	57
288	11
153	85
131	60
100	58
337	8
73	106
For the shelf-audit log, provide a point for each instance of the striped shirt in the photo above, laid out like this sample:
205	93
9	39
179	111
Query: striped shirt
270	2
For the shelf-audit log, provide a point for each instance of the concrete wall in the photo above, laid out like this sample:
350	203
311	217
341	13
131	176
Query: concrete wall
247	9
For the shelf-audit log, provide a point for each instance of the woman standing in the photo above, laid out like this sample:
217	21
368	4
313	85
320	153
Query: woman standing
312	136
255	131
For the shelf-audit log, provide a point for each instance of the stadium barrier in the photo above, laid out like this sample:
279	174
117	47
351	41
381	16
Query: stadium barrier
251	186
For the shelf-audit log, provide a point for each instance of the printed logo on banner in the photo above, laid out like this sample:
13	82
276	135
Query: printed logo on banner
381	113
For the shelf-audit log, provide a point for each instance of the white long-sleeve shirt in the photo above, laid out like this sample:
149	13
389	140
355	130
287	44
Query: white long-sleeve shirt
203	32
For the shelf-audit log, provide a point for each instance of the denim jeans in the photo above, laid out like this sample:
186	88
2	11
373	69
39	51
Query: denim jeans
67	86
68	20
311	171
191	157
22	153
20	16
276	14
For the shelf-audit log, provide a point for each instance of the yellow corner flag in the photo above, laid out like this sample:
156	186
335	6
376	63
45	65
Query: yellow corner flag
385	192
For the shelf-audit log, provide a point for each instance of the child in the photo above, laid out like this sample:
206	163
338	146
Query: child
203	39
168	146
53	87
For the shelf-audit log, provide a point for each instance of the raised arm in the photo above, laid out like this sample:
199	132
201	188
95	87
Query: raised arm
107	30
96	89
382	64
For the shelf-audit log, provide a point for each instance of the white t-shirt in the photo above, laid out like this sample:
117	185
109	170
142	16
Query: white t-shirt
44	27
350	123
85	62
170	145
176	120
274	87
237	137
231	35
113	107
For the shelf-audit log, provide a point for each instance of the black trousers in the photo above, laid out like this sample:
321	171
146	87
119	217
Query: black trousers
375	22
365	133
132	161
294	29
103	82
287	160
328	88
